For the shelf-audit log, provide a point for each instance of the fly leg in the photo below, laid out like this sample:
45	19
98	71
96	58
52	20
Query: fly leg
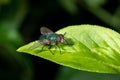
50	46
42	48
58	47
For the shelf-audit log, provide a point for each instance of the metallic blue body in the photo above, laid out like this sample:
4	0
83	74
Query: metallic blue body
52	37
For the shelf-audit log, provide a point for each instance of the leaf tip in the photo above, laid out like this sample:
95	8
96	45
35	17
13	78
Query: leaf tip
18	50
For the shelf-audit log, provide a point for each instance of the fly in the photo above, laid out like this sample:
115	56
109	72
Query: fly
49	38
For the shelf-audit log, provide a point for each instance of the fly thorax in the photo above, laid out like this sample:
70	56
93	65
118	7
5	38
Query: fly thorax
52	37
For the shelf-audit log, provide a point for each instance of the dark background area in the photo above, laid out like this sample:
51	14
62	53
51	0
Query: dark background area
54	14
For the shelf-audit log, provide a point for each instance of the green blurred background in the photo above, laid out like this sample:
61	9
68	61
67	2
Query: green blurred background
20	21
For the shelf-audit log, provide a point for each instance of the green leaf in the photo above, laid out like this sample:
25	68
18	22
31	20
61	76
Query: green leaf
94	48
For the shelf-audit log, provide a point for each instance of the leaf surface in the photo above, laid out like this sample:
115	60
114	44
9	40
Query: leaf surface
88	47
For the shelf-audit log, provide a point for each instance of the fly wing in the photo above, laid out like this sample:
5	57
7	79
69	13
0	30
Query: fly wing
35	45
45	30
